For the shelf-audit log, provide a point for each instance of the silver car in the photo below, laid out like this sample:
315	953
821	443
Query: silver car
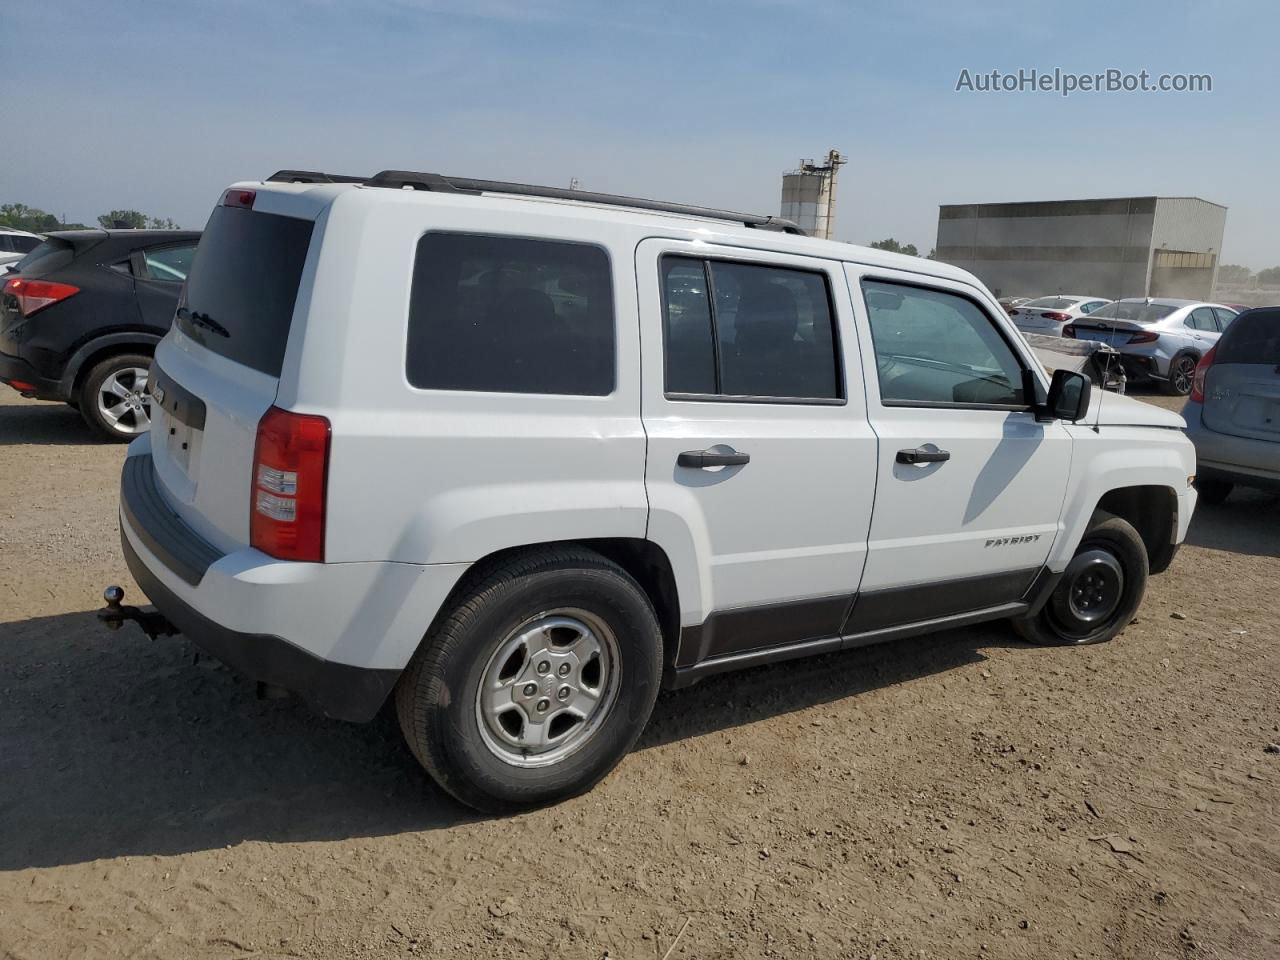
1159	339
1233	414
1048	315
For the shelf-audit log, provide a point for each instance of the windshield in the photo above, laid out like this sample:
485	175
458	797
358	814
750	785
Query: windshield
1053	303
1137	311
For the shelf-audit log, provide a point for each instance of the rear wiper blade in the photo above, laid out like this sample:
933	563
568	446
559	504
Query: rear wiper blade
198	319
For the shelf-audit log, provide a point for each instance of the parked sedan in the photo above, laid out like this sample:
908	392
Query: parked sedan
1233	414
16	244
1048	315
81	318
1159	339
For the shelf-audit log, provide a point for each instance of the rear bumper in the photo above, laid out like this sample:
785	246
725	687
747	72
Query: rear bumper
337	690
338	635
1247	461
15	368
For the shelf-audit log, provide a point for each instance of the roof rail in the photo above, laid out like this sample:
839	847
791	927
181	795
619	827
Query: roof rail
310	176
410	179
401	179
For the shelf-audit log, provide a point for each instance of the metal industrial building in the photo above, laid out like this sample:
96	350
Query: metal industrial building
1125	247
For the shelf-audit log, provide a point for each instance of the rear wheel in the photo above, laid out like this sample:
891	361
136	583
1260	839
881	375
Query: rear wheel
536	683
115	397
1213	492
1182	372
1100	591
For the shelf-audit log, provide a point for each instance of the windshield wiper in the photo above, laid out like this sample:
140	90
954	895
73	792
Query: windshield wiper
198	319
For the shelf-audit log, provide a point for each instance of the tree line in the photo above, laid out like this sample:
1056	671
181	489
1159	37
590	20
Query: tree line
19	216
1234	273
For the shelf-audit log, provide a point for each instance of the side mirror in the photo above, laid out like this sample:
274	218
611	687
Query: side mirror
1069	395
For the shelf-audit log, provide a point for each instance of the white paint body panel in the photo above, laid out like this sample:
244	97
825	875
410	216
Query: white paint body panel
791	524
1005	478
424	483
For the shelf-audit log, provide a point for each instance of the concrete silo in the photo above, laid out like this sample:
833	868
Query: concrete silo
809	195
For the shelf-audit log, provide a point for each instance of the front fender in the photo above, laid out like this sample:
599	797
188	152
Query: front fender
1119	457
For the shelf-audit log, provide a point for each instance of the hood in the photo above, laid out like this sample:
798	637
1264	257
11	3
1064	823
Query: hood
1121	411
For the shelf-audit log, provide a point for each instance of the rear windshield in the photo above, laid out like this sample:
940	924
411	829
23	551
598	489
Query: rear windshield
1052	303
238	300
1253	337
1137	311
49	255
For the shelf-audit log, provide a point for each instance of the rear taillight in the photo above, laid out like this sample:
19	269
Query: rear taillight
35	295
1146	336
239	198
1202	371
290	472
1056	317
1013	312
1069	330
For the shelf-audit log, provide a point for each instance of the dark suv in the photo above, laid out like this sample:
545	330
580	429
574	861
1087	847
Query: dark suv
80	318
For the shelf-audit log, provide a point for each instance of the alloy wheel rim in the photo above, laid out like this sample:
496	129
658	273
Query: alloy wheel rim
548	687
1182	375
124	400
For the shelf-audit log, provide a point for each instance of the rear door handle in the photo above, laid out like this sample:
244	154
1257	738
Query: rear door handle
919	455
710	458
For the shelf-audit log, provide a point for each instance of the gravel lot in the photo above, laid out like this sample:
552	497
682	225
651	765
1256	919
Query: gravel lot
960	795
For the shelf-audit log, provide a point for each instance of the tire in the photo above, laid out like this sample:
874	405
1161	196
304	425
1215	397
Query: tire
109	399
483	651
1110	546
1182	369
1213	492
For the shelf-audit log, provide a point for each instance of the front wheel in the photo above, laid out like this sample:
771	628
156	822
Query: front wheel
536	683
1099	592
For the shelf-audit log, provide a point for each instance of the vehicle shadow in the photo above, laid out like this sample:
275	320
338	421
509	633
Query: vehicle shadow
1247	523
44	423
117	746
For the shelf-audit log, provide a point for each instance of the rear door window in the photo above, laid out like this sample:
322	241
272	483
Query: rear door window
511	315
1202	319
748	331
171	264
239	297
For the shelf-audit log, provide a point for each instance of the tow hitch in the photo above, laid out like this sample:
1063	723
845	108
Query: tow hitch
153	623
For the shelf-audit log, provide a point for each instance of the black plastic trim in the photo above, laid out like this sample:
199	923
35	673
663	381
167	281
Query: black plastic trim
310	176
179	402
165	534
16	368
880	609
729	632
338	690
684	676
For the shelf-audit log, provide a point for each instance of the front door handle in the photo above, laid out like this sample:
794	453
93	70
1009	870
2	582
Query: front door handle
919	455
710	458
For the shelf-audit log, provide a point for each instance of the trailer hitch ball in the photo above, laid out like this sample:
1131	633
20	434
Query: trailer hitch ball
113	616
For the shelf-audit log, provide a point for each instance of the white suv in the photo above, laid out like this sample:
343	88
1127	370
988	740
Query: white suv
522	456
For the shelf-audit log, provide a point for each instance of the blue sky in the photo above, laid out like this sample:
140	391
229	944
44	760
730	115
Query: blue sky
158	105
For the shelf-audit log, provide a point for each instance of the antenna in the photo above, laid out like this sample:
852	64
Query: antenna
1106	376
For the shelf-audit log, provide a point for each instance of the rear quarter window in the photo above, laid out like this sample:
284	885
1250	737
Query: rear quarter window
510	315
239	296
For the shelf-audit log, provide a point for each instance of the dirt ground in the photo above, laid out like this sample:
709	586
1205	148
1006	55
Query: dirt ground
959	795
